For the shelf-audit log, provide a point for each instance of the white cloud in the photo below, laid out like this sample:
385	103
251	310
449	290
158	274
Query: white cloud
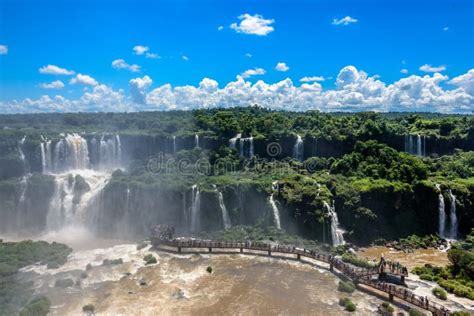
465	81
220	28
253	72
281	67
312	79
57	84
404	71
446	28
429	68
248	55
344	21
55	70
138	87
121	64
84	80
3	49
356	91
186	58
253	24
152	56
140	50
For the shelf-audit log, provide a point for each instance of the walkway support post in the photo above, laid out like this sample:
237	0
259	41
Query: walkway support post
270	253
298	256
210	249
179	249
241	250
390	297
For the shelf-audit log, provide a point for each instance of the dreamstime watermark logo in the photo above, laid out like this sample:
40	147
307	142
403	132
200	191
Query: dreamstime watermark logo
168	164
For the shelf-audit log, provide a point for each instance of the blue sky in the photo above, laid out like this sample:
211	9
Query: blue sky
309	38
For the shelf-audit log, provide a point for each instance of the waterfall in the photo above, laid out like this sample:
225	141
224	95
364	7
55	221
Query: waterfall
453	228
196	141
195	209
185	213
249	153
337	233
298	148
174	145
276	212
233	141
74	205
415	144
441	213
26	175
46	155
110	152
225	214
119	149
71	153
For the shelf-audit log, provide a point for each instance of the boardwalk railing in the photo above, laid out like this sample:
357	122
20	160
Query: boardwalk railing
357	274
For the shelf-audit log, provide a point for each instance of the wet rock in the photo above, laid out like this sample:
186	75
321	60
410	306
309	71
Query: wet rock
111	262
64	283
142	282
179	294
52	265
88	267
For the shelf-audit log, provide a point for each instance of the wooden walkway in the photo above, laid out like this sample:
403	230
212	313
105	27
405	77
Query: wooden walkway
356	274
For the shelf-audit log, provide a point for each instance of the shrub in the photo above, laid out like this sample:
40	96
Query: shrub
347	303
343	301
149	259
110	262
209	269
440	293
142	245
38	307
347	287
350	307
414	312
426	277
64	283
461	313
89	309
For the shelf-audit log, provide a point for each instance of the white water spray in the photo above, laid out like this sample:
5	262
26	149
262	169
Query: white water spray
453	229
276	212
225	215
298	148
195	209
441	213
337	233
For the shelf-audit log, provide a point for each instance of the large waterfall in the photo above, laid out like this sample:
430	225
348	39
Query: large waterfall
195	209
246	147
276	212
298	148
415	144
441	213
75	199
225	214
337	233
24	178
453	228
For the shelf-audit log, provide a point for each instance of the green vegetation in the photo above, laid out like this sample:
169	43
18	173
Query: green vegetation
17	255
415	312
89	309
347	304
347	287
37	307
357	261
209	269
457	277
111	262
142	245
149	259
440	293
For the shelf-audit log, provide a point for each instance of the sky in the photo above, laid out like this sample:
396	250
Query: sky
339	55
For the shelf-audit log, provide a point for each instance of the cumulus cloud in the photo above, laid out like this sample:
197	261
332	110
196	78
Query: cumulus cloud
248	55
446	28
55	70
140	50
220	28
185	58
281	67
344	21
253	24
404	71
465	81
253	72
84	80
312	79
355	91
121	64
152	56
3	49
57	84
429	68
138	87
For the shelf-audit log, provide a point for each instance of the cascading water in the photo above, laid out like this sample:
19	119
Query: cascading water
195	209
233	141
24	178
225	215
110	152
276	212
337	233
416	145
74	202
441	213
196	141
243	151
453	228
174	145
298	148
71	153
185	213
